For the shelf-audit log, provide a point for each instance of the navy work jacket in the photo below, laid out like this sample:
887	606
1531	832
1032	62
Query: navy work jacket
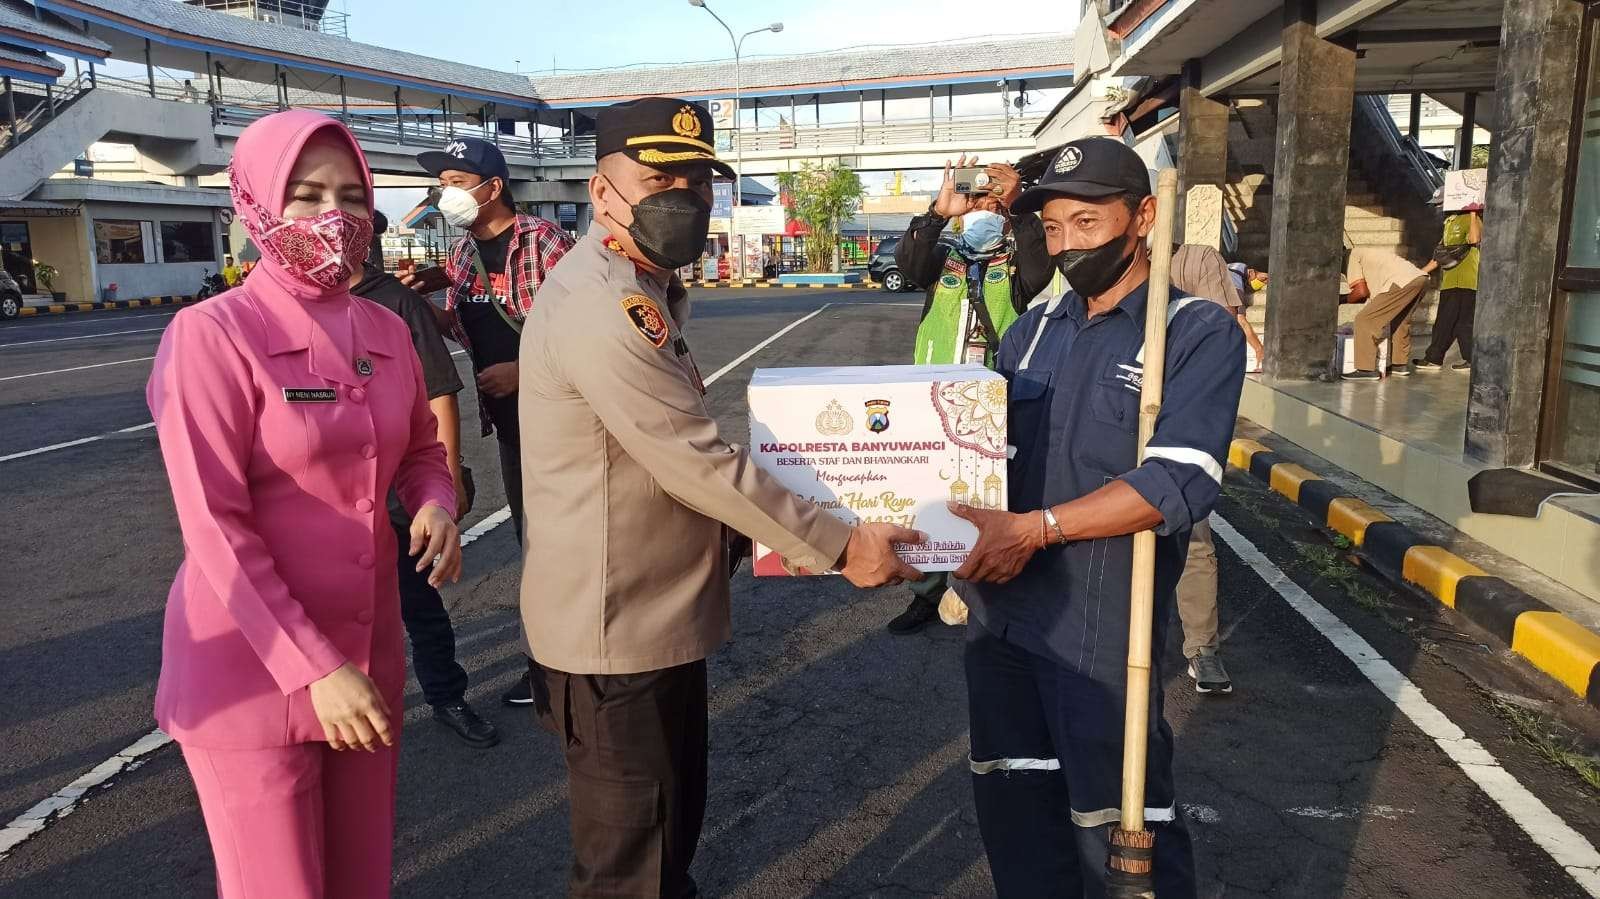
1073	421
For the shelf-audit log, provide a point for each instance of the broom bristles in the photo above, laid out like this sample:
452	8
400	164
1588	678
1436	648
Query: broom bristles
1132	851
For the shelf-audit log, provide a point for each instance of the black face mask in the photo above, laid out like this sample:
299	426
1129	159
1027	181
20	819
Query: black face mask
670	227
1093	271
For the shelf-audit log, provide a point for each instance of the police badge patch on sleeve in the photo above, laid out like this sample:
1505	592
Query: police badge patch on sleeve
647	319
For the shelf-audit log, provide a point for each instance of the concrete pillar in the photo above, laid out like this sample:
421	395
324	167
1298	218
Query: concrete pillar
1315	100
1202	165
1469	127
1527	169
585	217
547	211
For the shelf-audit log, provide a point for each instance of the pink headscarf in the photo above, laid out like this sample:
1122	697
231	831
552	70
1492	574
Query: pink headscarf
263	158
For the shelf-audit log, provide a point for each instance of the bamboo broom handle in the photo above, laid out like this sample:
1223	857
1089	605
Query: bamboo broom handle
1141	614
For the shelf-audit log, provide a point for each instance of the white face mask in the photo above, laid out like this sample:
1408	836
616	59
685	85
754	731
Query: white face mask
459	207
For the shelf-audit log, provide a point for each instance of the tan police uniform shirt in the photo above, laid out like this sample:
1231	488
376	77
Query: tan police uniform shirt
626	481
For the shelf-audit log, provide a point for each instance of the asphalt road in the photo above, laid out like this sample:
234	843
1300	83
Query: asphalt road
838	758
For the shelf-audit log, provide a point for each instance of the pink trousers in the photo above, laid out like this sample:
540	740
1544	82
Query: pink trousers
298	822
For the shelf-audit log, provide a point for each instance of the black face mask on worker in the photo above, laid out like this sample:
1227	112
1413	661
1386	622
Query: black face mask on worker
670	227
1093	271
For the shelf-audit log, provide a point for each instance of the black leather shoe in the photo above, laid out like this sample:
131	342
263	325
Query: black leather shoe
472	729
521	692
917	616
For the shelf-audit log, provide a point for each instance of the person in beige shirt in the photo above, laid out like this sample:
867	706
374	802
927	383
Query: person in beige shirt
1391	288
631	496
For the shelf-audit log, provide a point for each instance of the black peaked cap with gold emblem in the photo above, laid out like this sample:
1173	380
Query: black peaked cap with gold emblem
659	132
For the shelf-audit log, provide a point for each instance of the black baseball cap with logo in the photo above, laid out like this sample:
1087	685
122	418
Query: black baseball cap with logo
659	132
1090	167
472	155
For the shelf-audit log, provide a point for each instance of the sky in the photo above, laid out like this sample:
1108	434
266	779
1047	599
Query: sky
570	35
534	36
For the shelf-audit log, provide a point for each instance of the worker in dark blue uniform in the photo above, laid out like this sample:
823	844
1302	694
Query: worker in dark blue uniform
1048	583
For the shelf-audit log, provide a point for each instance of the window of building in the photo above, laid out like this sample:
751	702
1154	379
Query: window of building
188	242
120	242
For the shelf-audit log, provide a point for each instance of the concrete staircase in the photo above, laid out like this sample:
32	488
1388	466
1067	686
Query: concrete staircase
172	137
1374	217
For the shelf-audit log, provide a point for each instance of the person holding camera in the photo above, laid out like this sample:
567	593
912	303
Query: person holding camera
978	282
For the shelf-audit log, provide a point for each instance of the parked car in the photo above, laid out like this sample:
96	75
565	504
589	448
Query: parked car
10	296
881	267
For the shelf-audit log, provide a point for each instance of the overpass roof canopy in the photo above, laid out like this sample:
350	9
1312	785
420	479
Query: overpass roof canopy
181	35
29	65
1429	46
902	71
47	33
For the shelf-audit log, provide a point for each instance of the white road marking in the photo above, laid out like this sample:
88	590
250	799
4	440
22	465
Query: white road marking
38	324
62	803
81	337
1341	812
763	345
62	371
82	440
79	442
1202	814
1566	846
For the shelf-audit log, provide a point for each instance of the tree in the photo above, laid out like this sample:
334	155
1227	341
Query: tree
822	198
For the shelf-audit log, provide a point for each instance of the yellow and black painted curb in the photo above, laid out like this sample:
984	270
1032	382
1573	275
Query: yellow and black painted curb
1554	643
751	284
63	308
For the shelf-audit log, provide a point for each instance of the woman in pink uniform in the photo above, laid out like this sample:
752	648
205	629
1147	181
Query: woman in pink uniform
286	408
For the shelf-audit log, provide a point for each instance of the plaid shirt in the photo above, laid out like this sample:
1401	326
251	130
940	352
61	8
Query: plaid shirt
525	271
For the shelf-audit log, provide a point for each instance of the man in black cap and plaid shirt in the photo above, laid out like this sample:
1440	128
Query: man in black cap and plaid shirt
492	274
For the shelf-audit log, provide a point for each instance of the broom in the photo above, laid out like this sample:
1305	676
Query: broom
1131	862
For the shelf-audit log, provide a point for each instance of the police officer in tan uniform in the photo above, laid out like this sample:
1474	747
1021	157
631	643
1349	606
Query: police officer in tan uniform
631	496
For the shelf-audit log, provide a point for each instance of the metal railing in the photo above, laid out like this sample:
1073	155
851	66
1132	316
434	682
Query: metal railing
307	16
1372	117
47	105
960	130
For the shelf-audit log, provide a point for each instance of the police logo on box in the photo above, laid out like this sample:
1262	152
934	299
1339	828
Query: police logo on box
1068	159
877	416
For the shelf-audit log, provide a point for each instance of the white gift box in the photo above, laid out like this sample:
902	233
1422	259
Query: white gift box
888	443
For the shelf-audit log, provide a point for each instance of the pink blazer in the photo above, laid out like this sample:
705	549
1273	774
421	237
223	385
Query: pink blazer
281	455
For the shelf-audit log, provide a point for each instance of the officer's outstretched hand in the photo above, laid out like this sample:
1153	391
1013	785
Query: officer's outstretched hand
869	559
1006	541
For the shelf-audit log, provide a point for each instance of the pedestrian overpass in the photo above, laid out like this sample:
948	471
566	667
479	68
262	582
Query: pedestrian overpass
870	109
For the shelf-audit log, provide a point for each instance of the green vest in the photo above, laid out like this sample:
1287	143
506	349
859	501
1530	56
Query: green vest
941	336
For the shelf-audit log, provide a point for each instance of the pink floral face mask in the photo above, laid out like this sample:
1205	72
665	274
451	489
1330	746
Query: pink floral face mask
322	250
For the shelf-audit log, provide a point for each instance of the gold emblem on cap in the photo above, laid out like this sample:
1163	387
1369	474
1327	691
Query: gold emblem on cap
686	123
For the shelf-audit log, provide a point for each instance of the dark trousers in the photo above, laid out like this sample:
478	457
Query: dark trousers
503	412
635	746
433	640
1453	324
930	589
1047	775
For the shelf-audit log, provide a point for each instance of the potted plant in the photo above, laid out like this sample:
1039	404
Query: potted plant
46	276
